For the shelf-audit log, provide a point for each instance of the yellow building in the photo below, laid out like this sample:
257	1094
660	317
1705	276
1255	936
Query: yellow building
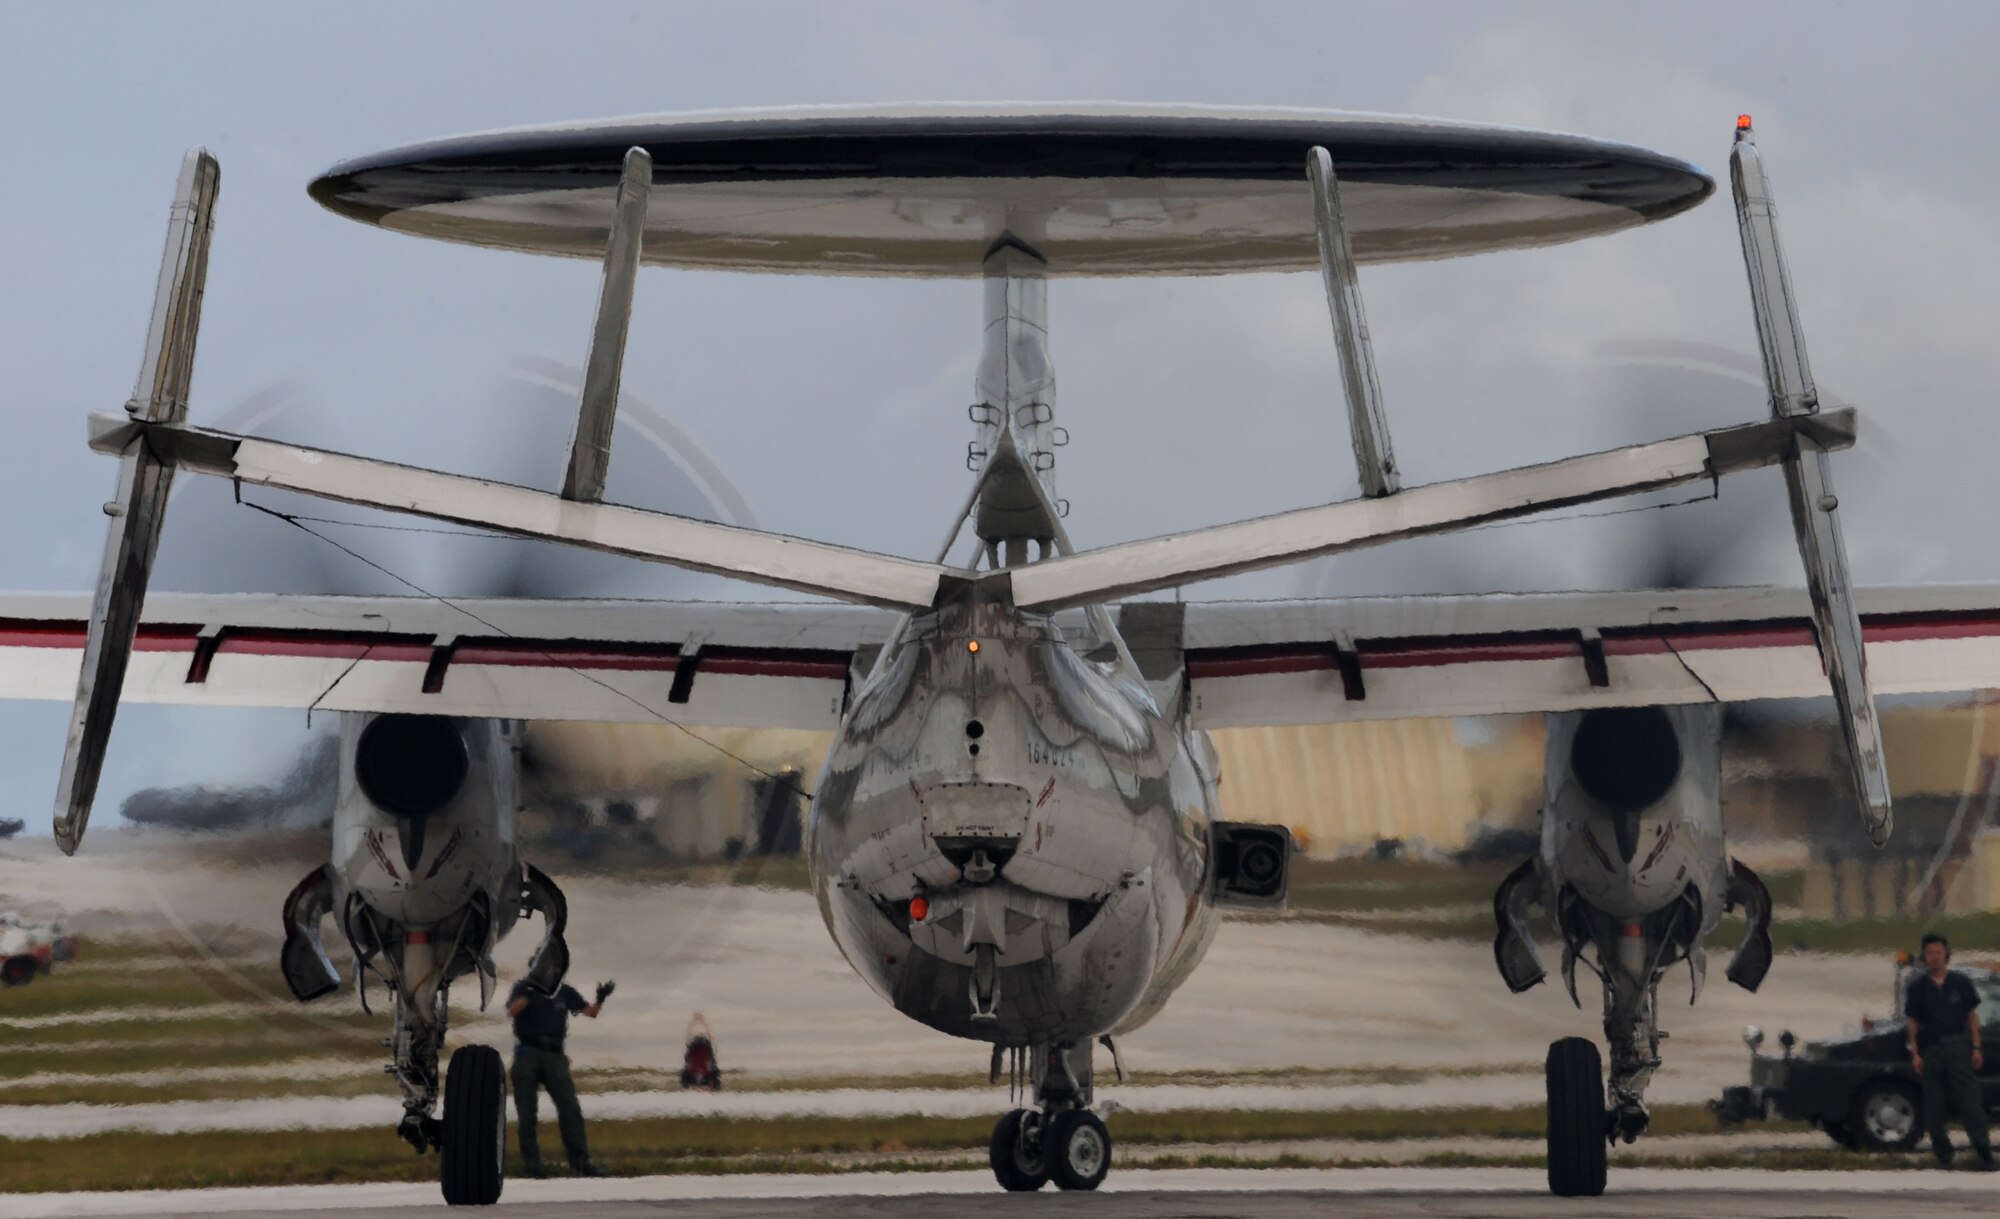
1340	787
1432	785
1345	787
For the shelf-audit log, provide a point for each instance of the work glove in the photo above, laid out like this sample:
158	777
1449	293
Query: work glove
604	990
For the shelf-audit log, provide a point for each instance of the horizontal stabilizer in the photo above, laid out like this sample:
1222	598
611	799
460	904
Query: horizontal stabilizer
1131	568
728	550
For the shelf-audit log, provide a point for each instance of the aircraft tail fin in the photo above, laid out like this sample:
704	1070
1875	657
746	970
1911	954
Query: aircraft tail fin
1809	483
144	481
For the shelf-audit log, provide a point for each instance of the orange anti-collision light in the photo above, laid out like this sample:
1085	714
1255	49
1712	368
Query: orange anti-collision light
1742	122
920	909
972	645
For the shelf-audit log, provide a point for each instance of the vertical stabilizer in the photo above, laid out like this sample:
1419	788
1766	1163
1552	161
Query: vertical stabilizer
1016	389
144	481
1809	482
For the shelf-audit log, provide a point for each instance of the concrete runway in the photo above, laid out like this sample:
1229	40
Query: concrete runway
1271	996
1381	1193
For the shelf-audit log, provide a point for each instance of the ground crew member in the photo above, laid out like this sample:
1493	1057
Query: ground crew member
541	1021
1944	1048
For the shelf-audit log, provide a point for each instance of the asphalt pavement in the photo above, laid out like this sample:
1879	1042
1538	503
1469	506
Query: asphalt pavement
1376	1193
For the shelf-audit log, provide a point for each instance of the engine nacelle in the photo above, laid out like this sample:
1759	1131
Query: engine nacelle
425	815
1632	810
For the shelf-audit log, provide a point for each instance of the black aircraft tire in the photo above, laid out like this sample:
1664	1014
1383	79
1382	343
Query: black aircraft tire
1019	1169
471	1163
19	971
1888	1115
1577	1144
1078	1150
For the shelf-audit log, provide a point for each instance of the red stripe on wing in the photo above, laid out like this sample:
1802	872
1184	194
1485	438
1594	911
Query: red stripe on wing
1439	651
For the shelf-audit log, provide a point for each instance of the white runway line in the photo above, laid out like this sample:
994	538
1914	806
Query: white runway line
1438	1181
357	1112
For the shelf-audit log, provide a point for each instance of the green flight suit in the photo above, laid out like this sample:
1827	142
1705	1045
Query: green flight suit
542	1069
1951	1084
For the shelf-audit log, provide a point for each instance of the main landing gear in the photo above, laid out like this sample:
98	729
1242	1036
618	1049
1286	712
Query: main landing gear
1577	1119
1059	1139
472	1141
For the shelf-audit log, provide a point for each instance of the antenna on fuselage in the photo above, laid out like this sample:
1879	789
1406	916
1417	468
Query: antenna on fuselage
1013	502
1374	460
1014	450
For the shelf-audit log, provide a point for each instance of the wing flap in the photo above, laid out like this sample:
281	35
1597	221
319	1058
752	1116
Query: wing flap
755	666
1282	663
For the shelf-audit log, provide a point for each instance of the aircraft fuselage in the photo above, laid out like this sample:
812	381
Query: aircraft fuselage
1010	842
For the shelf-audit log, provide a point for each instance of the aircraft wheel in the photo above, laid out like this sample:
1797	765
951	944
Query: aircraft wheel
1577	1144
18	971
1079	1149
471	1163
1888	1116
1016	1154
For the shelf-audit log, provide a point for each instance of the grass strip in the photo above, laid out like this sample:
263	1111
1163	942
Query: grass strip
647	1079
164	1058
367	1080
167	1084
258	1162
803	1143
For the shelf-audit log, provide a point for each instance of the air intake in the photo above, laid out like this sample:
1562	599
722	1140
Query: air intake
411	765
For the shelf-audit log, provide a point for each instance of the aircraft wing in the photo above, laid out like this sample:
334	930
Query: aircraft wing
1252	663
766	665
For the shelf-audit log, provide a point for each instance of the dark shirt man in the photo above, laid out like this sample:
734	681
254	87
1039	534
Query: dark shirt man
1943	1018
541	1022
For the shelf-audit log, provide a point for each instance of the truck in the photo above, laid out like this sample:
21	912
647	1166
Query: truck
30	949
1859	1088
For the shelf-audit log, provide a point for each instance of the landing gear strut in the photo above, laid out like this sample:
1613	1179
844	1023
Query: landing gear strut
1059	1139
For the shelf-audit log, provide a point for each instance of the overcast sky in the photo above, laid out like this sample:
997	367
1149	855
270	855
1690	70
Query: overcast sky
837	406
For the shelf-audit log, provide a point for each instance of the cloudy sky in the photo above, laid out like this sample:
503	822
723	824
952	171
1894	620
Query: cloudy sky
837	406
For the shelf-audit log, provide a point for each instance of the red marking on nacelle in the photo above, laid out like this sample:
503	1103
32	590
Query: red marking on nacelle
450	848
1666	836
381	856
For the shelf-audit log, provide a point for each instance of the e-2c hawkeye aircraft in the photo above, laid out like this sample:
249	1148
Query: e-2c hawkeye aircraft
1015	837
